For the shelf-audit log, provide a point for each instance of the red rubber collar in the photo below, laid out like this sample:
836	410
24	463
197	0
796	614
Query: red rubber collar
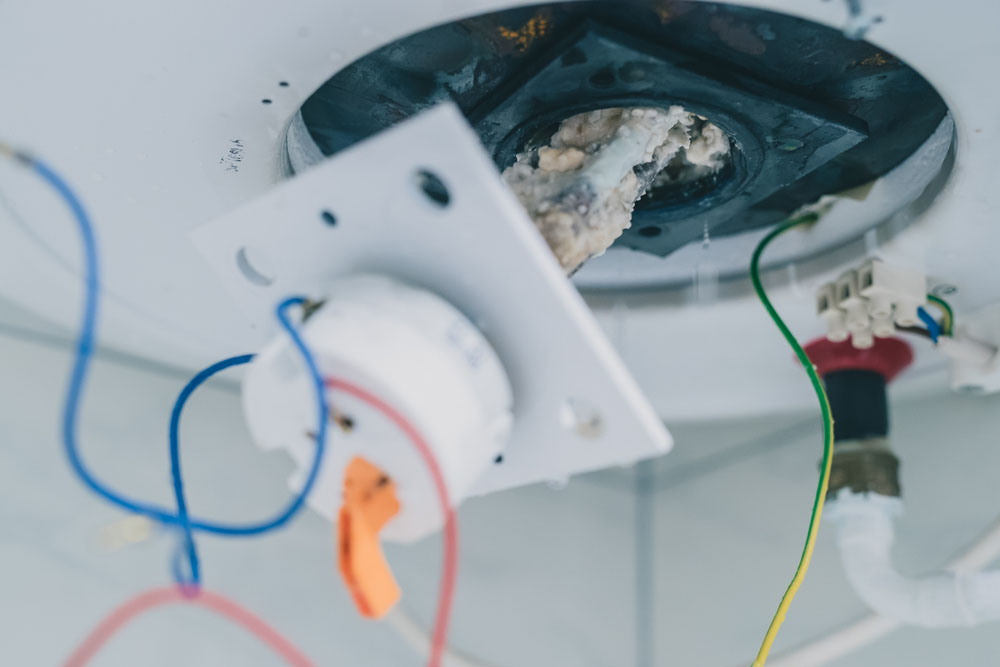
888	357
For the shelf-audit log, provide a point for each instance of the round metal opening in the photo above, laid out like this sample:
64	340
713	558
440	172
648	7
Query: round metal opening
808	110
686	179
581	182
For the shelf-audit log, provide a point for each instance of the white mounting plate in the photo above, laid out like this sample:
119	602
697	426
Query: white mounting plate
480	252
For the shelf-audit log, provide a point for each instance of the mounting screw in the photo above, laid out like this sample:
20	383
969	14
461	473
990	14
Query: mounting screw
582	418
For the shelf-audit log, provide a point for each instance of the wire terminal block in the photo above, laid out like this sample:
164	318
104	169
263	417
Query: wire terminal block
893	293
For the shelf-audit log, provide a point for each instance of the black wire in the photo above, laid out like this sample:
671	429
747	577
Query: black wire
919	331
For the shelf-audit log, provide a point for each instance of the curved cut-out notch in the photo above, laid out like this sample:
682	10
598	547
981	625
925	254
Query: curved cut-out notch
249	271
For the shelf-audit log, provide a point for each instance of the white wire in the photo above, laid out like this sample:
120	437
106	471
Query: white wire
839	643
414	635
981	553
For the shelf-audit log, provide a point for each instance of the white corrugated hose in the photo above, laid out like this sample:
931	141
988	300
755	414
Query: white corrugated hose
961	596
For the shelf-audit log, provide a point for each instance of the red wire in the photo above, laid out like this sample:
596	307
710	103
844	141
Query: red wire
450	566
144	602
158	597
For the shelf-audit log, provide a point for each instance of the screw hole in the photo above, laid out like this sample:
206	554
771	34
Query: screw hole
433	187
650	232
265	101
328	217
283	84
498	459
604	78
790	145
345	423
632	73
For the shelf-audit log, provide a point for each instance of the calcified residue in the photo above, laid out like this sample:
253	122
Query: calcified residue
581	188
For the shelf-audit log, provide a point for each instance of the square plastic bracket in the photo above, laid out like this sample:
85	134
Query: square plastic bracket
423	202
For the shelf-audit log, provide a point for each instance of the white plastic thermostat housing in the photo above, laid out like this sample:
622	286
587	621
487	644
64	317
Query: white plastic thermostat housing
370	210
411	349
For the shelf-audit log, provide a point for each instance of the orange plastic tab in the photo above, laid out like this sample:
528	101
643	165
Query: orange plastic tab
369	502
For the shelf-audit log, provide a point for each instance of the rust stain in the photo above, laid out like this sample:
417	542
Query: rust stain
876	60
671	10
523	37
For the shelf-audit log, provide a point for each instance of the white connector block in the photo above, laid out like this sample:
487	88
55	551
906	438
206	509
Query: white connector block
826	307
892	292
871	302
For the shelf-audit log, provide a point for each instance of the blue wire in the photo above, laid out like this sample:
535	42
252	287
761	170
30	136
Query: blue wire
183	519
933	328
185	523
84	353
85	348
282	517
190	583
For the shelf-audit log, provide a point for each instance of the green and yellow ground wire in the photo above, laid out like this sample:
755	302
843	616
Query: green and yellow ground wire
948	319
824	403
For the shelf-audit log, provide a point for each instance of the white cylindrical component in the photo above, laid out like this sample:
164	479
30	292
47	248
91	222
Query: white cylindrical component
415	352
883	327
836	328
975	365
865	533
906	313
826	307
857	319
967	350
880	305
850	300
862	340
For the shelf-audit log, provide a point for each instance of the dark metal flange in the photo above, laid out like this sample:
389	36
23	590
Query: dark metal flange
777	137
809	110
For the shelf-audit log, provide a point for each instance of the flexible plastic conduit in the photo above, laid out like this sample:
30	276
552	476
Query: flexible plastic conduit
865	533
855	636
